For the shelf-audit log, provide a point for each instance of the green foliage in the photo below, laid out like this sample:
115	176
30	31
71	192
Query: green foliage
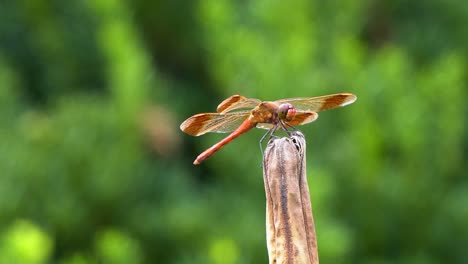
95	170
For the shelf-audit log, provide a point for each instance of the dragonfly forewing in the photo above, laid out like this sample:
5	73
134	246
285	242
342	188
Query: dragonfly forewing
237	102
320	103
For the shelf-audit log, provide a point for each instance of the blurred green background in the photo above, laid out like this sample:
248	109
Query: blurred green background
94	168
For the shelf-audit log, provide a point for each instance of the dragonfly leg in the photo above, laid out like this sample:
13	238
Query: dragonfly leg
292	127
285	126
270	133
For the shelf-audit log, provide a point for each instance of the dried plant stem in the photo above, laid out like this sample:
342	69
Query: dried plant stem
290	224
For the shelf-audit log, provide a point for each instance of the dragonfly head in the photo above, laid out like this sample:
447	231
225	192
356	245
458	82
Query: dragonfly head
286	112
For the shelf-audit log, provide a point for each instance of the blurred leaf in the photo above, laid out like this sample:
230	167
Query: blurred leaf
23	242
224	251
113	246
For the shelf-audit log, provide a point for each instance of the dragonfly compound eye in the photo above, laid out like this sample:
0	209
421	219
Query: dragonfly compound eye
286	112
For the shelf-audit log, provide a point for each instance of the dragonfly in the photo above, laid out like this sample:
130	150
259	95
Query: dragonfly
239	114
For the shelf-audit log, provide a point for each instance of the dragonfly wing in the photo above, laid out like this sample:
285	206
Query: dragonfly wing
237	102
303	118
316	104
213	122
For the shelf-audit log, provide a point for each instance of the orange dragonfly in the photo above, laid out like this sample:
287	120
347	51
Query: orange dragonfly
238	114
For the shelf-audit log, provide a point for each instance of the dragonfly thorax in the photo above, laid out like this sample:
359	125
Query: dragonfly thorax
286	112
